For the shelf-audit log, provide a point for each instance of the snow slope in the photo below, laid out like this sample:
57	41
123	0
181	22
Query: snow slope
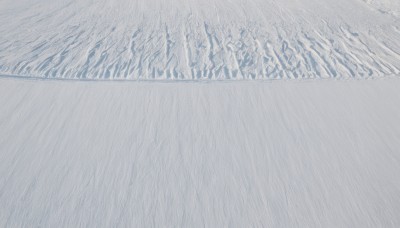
234	154
199	39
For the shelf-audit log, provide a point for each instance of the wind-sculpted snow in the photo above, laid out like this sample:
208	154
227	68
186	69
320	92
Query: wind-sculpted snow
76	152
199	40
247	154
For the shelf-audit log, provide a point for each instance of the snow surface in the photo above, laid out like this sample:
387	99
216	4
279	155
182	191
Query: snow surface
143	113
200	39
240	154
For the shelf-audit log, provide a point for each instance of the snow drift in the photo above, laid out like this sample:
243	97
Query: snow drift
206	40
77	152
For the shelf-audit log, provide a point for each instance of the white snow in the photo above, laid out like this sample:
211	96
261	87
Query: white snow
200	39
199	113
240	154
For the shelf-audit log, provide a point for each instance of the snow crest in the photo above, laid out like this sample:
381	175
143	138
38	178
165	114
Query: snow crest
199	40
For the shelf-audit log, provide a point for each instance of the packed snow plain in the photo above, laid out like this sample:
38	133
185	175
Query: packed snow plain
184	113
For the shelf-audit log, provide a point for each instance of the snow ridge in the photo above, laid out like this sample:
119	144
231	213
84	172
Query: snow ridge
186	45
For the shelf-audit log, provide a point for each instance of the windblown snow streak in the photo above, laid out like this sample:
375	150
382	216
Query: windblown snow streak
246	154
203	39
315	153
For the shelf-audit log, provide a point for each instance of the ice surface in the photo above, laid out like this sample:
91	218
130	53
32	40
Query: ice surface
200	39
